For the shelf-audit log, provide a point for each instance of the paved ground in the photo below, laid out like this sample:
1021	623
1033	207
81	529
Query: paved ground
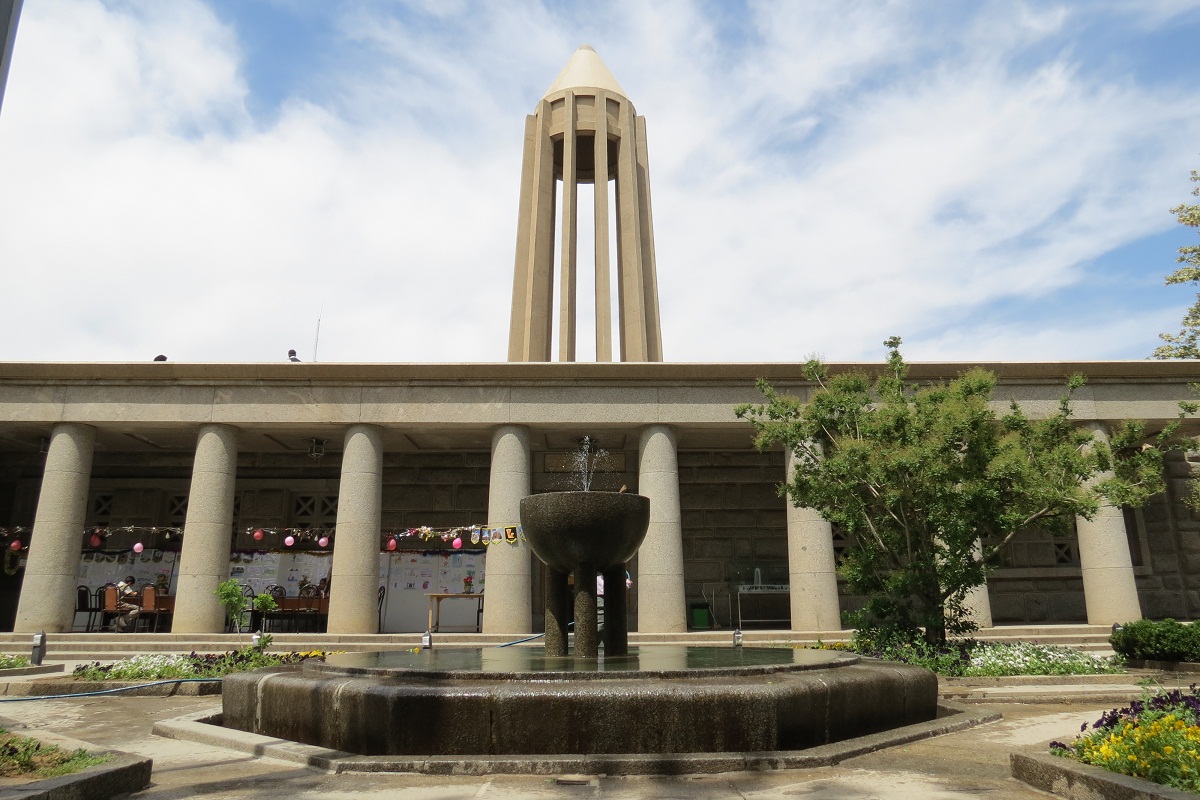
970	764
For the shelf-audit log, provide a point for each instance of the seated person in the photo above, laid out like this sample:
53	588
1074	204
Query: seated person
127	606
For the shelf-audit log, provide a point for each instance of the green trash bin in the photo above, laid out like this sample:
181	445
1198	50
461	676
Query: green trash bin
701	621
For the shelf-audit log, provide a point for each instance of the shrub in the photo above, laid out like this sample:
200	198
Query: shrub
193	665
13	662
1163	640
22	755
970	658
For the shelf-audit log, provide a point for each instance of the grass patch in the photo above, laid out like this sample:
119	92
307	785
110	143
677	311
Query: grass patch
193	665
971	658
1156	738
23	756
13	662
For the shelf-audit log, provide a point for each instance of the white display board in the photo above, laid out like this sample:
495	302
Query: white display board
412	576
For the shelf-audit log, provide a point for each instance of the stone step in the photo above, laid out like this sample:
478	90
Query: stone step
110	646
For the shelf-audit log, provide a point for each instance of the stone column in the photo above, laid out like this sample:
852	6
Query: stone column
508	604
354	589
204	561
812	566
48	593
1109	589
570	188
977	602
600	201
661	599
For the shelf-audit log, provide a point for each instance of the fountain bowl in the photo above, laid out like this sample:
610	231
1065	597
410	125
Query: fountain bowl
599	529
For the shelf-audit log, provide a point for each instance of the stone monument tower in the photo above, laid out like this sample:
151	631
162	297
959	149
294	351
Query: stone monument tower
584	131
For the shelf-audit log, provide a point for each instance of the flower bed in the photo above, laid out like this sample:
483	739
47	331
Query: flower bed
13	662
22	756
971	658
1156	738
193	665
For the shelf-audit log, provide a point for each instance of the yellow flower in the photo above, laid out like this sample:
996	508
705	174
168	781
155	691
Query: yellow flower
1168	749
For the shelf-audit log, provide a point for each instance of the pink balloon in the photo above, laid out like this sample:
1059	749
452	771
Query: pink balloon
16	545
289	540
391	545
96	541
323	541
457	543
258	535
139	547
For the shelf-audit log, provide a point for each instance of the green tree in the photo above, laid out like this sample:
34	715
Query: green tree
1186	343
919	476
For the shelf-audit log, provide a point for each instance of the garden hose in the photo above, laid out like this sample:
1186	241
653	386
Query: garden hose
570	624
105	691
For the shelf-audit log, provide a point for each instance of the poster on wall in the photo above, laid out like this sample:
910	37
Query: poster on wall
97	569
413	576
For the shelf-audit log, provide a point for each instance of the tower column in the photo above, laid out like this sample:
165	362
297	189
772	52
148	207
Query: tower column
629	245
48	592
1109	589
567	290
661	597
207	530
603	279
812	566
354	587
508	608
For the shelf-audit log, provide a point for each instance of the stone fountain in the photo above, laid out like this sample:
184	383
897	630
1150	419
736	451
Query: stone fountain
484	702
582	534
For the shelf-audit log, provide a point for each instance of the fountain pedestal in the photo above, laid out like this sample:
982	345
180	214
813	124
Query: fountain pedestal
580	535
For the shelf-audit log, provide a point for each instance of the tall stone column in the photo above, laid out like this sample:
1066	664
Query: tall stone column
207	530
812	566
354	588
977	602
507	608
1109	589
661	598
48	593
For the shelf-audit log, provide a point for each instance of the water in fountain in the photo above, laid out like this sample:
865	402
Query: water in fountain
588	464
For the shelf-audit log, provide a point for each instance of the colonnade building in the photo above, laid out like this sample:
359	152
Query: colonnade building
198	460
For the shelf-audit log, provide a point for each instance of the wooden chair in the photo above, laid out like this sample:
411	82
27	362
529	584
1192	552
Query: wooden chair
108	610
149	603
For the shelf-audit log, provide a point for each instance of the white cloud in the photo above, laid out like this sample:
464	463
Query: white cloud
825	176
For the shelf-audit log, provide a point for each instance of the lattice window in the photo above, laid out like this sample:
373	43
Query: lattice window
1033	549
304	506
329	506
177	508
842	542
316	510
102	507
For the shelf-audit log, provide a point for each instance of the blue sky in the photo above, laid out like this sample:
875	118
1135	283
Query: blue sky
988	180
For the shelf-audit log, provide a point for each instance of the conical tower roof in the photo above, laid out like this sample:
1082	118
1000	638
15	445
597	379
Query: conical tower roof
585	69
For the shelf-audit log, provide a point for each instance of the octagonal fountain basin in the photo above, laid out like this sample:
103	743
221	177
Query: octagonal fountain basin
517	701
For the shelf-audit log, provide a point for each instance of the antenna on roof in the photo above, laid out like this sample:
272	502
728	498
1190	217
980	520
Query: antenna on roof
317	338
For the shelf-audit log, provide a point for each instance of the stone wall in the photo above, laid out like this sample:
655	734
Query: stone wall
733	521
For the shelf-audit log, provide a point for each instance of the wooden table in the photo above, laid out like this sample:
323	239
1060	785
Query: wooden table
435	607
